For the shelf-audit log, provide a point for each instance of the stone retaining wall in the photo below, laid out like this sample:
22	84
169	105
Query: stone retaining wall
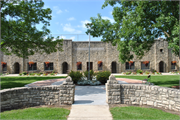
34	96
167	98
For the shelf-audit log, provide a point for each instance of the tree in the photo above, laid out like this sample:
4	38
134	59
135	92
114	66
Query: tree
19	35
137	24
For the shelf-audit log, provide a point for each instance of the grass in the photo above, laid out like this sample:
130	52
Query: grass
159	80
36	113
11	82
132	112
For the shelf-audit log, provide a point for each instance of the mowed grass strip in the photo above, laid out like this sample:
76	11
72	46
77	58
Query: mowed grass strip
159	80
36	113
131	113
11	82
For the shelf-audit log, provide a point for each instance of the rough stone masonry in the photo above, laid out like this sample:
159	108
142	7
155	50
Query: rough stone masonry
140	94
34	96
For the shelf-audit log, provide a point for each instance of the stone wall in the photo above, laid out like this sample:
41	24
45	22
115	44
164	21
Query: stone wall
140	94
34	96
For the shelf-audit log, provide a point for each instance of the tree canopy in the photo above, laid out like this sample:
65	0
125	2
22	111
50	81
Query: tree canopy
19	35
137	24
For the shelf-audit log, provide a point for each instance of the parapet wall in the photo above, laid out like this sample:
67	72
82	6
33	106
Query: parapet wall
167	98
34	96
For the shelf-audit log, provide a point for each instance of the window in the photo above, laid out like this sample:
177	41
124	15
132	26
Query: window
173	65
161	50
4	66
32	66
145	65
48	66
129	66
79	65
100	64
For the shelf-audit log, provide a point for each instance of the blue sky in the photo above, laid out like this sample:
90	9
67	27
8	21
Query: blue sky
70	16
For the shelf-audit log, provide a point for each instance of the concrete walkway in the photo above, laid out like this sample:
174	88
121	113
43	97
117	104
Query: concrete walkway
90	112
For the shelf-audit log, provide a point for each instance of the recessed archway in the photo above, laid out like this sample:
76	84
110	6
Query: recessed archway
161	66
64	68
16	68
113	67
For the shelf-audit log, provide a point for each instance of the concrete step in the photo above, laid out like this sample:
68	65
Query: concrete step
90	112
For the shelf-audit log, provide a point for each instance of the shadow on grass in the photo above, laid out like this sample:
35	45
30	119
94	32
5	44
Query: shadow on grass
8	85
11	82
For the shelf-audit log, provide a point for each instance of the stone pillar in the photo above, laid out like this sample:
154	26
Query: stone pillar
67	90
113	91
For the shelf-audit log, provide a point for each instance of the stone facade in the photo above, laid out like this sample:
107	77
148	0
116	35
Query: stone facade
100	51
34	96
167	98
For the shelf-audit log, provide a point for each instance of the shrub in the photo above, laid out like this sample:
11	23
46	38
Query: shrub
24	73
32	73
128	73
103	76
147	72
91	74
76	76
139	71
52	73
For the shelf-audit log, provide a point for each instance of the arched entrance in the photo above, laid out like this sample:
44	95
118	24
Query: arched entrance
16	68
64	67
113	67
161	66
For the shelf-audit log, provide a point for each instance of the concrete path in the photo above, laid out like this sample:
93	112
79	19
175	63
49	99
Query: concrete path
90	112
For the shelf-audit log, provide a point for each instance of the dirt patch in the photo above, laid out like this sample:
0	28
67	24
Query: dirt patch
144	106
176	87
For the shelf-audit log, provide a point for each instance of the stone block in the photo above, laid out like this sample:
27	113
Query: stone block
69	79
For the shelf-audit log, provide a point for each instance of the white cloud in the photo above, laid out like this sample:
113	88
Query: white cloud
111	12
69	28
66	10
72	37
111	20
56	8
84	22
71	18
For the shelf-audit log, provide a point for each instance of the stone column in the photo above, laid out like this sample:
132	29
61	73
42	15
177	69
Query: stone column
113	91
67	90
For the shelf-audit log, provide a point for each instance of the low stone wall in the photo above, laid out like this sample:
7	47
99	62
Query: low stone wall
167	98
34	96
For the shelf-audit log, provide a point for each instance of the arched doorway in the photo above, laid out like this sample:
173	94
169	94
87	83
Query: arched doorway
113	67
161	66
16	68
64	67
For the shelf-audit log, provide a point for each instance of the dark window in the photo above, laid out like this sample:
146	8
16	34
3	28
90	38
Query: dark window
173	65
161	50
79	65
145	66
100	66
4	67
32	67
48	66
129	66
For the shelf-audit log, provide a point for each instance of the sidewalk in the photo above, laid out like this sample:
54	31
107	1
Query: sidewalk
90	112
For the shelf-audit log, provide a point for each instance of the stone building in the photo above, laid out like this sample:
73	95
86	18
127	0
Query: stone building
77	52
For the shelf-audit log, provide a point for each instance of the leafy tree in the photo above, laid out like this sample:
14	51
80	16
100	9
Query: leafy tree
19	35
137	24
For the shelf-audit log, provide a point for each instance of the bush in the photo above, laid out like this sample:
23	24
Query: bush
128	73
24	73
91	74
147	72
32	73
103	76
76	76
139	71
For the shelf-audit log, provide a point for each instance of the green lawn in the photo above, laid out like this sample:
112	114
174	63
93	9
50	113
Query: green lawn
36	113
11	82
132	112
160	80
